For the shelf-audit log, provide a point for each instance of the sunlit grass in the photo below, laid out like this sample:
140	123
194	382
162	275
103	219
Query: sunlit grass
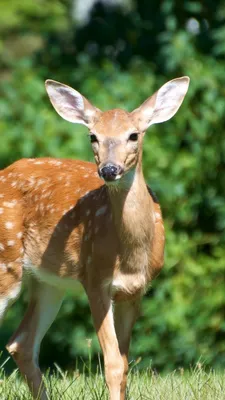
195	384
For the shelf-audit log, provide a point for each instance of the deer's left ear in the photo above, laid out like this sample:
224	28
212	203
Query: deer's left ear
70	104
163	105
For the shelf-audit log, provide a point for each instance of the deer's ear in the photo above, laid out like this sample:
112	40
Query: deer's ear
163	105
70	104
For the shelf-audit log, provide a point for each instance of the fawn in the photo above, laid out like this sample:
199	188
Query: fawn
65	220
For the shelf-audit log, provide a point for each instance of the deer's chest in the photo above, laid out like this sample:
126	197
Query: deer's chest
131	275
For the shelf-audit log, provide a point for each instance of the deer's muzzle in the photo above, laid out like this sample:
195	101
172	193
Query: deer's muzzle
110	172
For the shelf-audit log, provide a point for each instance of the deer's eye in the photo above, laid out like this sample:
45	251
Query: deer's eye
93	138
133	137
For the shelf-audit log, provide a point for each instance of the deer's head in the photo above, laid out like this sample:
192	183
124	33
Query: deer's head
117	135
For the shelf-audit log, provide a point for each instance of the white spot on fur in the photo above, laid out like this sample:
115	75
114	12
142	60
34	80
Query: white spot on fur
101	211
2	248
9	225
19	235
11	243
54	162
3	267
31	180
1	195
40	182
9	204
38	162
1	210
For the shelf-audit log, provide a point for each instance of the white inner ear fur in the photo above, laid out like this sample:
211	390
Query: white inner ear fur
163	105
69	103
168	100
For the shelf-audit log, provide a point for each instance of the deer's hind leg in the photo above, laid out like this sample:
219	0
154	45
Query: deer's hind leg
24	345
10	284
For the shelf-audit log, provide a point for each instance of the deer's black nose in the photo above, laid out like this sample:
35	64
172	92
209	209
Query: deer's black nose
109	172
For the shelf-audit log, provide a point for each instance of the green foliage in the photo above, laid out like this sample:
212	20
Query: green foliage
183	313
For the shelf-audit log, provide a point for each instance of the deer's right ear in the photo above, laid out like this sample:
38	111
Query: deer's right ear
163	105
70	104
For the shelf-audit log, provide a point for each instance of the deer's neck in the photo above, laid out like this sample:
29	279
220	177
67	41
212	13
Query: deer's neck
132	213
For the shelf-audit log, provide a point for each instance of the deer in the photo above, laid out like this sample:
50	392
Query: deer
99	223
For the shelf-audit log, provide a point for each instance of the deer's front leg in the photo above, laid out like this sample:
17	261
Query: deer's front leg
101	308
125	315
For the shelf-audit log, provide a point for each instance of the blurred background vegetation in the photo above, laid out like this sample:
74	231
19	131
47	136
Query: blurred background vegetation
117	53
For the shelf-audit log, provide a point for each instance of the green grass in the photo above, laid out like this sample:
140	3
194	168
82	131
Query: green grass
196	384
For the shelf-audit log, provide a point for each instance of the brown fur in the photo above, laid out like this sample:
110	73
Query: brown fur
52	219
